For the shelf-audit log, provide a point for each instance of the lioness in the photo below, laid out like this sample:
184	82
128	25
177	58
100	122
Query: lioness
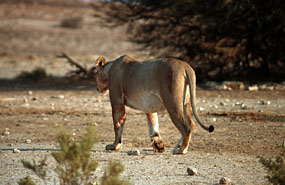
150	86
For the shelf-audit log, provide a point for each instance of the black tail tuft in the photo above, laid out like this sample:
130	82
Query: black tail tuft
211	128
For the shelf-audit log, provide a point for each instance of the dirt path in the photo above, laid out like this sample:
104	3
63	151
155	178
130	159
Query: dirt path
240	136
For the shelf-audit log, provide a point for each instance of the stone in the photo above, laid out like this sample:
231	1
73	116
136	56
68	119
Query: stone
201	108
28	141
225	180
58	96
134	152
15	150
253	88
6	133
243	106
192	171
263	102
234	85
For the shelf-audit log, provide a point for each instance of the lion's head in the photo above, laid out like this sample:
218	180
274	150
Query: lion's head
101	75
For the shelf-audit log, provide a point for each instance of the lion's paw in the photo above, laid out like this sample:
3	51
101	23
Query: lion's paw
113	147
158	145
178	151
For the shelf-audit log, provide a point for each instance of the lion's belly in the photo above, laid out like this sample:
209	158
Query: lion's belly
146	102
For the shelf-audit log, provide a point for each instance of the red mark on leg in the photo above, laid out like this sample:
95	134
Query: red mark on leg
122	120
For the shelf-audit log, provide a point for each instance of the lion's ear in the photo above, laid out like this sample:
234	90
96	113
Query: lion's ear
101	61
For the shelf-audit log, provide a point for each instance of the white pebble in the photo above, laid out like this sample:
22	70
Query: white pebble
28	141
243	106
225	180
58	96
201	108
6	133
253	88
16	150
134	152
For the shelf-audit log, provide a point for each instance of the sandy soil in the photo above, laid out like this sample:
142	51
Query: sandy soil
248	123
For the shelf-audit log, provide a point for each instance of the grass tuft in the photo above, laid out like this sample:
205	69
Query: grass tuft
275	167
74	165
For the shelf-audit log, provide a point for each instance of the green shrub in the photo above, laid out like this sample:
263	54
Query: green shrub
112	176
74	165
275	168
39	169
26	181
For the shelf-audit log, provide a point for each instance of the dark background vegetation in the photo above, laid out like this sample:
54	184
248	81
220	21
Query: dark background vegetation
221	39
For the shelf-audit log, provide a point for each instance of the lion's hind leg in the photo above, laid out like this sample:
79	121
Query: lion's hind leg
156	141
180	116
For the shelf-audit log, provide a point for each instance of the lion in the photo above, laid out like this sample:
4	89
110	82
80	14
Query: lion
150	86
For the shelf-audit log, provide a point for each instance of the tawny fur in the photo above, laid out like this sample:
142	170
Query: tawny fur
150	86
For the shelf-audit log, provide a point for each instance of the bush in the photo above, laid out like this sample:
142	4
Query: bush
35	75
74	165
26	181
223	39
72	22
112	176
275	168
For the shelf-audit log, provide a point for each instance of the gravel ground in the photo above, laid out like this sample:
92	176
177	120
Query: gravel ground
248	123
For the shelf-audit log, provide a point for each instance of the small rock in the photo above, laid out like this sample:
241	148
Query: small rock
25	100
234	85
58	96
201	108
28	141
30	92
214	119
16	150
222	104
243	106
134	152
237	104
192	171
6	133
253	88
45	119
225	180
263	102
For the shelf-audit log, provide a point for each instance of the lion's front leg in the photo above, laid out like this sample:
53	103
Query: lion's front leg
156	141
119	117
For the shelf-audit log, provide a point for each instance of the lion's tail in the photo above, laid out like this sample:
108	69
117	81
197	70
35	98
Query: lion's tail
192	90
